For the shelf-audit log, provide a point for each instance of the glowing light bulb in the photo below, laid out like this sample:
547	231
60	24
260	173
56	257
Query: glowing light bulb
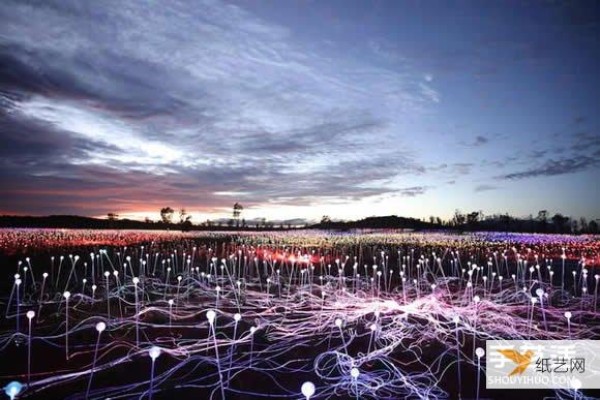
210	316
100	327
154	352
308	389
13	389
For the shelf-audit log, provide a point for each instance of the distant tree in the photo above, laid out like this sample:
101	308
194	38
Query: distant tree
432	220
209	223
182	215
458	219
112	216
505	221
574	226
243	223
148	220
542	218
230	223
237	211
472	218
438	221
187	224
593	227
185	220
263	222
166	215
559	221
583	225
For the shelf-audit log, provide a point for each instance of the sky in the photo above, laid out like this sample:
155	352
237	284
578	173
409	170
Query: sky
298	109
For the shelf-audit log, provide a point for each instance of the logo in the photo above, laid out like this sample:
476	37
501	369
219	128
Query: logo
542	364
522	360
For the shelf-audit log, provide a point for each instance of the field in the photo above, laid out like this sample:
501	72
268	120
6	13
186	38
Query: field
360	315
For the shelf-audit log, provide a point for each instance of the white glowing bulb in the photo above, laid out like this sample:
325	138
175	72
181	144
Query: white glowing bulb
100	327
480	352
568	314
30	314
210	316
154	352
354	372
237	317
66	295
135	280
308	389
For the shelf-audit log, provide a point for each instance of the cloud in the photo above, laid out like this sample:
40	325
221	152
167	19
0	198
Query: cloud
182	101
480	141
553	168
413	191
484	188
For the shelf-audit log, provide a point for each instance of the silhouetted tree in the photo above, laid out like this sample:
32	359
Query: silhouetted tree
237	211
542	217
583	225
472	218
593	227
326	221
182	215
166	215
560	222
112	216
458	219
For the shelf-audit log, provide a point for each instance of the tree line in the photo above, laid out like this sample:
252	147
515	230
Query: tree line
182	220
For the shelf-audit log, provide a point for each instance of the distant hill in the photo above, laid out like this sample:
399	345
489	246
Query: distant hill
387	222
73	222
